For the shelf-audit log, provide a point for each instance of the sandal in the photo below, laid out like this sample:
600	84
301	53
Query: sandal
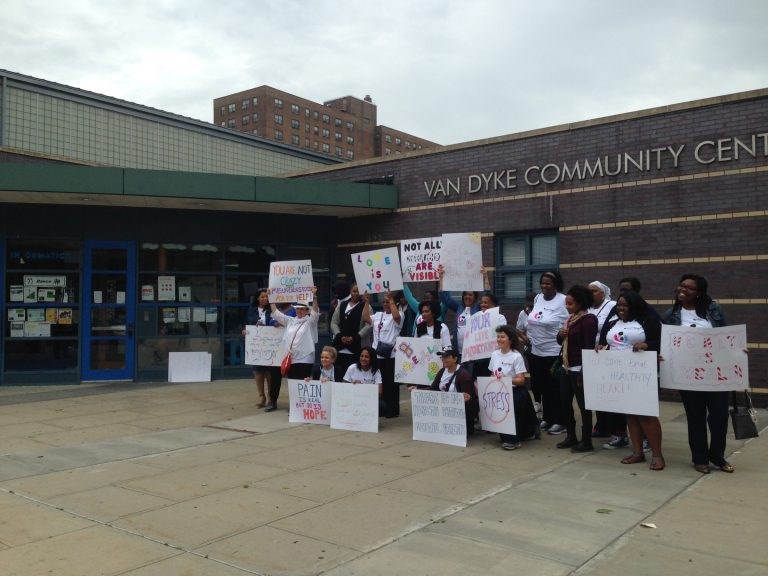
703	468
657	463
633	458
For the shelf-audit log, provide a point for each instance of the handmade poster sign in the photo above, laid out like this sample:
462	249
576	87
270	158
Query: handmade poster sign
706	359
264	345
291	281
189	367
377	271
355	407
416	360
480	334
309	402
621	381
497	408
439	417
419	259
462	257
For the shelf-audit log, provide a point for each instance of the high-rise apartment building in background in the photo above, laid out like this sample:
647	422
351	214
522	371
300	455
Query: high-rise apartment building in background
345	127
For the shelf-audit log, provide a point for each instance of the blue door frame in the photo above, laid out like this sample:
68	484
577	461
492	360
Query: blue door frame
108	311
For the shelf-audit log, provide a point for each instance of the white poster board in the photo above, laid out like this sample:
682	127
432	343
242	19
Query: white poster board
497	407
439	417
462	257
377	271
166	288
419	259
264	345
416	360
621	381
189	367
309	402
480	334
706	359
290	281
355	407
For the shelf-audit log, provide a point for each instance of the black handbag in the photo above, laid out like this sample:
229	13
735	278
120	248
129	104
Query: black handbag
744	419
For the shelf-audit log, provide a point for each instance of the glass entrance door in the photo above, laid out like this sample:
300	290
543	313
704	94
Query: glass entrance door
109	311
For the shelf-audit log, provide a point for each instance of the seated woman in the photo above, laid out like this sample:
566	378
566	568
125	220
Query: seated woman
634	329
325	371
366	371
507	361
455	378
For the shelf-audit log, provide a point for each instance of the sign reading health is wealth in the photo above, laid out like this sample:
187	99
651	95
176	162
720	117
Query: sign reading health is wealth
264	345
480	334
621	381
439	417
462	257
416	360
497	408
290	281
706	359
355	407
309	402
377	271
419	259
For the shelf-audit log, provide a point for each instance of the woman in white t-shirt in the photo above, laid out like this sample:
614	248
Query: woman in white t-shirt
386	328
430	326
635	330
547	317
364	371
507	361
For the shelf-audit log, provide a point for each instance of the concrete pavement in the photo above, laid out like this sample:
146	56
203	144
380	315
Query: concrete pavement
192	479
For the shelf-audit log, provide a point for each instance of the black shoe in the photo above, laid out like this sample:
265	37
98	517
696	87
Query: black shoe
583	447
270	408
568	442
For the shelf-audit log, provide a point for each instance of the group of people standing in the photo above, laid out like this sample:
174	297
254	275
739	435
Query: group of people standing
546	343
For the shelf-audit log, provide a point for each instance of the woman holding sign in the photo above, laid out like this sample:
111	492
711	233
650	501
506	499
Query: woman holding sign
507	361
634	329
455	378
348	330
301	336
430	326
259	315
386	328
694	307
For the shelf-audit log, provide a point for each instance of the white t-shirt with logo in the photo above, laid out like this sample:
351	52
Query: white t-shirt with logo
544	322
690	318
624	335
506	364
354	374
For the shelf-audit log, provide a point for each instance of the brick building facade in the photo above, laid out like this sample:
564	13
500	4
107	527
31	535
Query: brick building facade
652	194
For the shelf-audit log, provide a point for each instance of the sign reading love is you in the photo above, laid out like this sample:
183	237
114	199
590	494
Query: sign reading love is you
377	271
291	281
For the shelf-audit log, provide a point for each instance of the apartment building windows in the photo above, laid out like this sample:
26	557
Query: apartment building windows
231	108
278	118
244	104
294	108
350	140
255	101
278	102
337	122
279	135
387	138
295	124
306	112
231	123
326	148
326	133
255	117
295	140
338	151
350	126
326	119
245	120
223	111
351	154
398	141
315	130
337	135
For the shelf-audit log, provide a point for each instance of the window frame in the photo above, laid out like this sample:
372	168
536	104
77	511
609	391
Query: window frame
528	269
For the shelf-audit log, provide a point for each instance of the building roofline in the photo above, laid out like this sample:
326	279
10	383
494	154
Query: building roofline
623	117
156	115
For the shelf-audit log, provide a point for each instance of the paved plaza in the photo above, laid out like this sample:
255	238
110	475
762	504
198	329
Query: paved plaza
194	480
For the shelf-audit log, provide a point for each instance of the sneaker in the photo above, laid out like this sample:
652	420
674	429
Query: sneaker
616	442
511	445
543	425
646	445
556	429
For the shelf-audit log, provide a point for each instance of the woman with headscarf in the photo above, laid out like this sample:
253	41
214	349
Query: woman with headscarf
694	307
606	423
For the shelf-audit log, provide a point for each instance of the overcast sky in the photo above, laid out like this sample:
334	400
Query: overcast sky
448	71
